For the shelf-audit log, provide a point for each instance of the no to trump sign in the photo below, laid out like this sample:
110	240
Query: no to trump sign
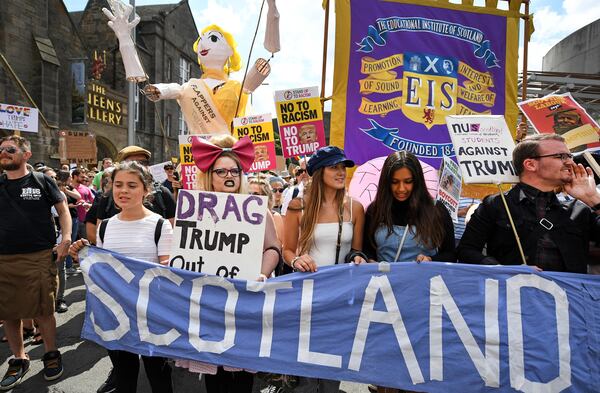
483	147
214	230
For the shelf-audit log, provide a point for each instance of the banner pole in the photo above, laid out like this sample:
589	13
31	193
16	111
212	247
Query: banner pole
525	52
324	69
512	224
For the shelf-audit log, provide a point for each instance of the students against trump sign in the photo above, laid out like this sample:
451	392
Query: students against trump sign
219	233
483	146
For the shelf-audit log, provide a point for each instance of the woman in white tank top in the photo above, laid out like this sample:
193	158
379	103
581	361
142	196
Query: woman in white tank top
325	226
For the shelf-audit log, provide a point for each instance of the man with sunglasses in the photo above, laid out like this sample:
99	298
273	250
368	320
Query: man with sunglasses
555	236
297	191
28	256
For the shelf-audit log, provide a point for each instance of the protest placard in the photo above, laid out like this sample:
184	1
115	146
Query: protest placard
77	146
16	117
449	187
260	130
158	171
300	119
483	147
219	233
561	114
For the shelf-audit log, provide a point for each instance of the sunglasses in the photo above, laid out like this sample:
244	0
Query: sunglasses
222	172
279	190
299	172
9	149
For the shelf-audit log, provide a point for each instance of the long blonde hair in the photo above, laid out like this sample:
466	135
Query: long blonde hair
314	197
224	142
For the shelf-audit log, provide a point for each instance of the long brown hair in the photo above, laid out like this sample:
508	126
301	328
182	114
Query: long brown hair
421	211
314	197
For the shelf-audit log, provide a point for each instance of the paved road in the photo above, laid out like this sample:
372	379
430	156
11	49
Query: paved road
86	364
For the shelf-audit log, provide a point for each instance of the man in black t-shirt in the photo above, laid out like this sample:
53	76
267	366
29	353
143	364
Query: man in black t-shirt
28	273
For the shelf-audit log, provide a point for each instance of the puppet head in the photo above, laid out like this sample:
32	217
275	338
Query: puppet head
216	49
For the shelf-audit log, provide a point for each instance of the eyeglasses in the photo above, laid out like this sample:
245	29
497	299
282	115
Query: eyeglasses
222	172
300	171
279	190
562	156
9	149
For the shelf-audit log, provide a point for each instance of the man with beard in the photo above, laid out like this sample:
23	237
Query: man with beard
28	273
555	236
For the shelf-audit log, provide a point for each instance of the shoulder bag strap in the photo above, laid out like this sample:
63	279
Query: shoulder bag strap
338	244
102	231
401	243
158	230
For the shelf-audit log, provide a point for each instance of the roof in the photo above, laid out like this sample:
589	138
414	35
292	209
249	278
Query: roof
585	88
147	12
76	17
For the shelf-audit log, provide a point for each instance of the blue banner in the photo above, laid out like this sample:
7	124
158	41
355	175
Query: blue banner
432	327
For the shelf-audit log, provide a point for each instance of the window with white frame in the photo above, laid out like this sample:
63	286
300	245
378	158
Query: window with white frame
184	70
183	129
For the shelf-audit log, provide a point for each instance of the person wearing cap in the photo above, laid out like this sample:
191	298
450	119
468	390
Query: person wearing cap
172	180
301	177
135	153
324	227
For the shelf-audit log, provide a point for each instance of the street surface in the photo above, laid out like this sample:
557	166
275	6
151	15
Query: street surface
86	364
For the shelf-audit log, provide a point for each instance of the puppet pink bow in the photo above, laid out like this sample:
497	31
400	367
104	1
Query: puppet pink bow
205	154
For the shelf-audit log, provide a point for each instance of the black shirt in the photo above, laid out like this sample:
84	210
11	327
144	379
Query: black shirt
569	226
29	228
446	251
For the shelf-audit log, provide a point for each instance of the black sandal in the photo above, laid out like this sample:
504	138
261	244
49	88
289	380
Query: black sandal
37	339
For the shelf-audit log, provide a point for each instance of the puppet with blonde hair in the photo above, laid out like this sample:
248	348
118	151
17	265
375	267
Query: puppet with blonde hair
208	104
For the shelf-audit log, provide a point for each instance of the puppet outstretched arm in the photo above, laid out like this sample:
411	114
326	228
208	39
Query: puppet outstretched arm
119	23
163	91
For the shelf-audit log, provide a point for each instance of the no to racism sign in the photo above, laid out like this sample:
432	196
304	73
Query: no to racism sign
219	233
300	119
259	128
483	147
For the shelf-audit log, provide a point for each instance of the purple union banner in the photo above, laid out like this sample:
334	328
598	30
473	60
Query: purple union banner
409	67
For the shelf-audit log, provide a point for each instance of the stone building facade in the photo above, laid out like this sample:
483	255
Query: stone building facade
49	49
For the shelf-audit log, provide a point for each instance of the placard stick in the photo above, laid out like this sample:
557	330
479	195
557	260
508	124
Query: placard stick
593	164
512	224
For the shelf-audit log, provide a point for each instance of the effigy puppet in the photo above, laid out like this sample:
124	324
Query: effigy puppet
209	103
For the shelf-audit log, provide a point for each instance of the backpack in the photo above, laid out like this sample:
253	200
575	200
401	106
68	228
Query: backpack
157	230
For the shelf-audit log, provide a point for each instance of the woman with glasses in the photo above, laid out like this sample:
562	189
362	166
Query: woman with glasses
223	161
277	187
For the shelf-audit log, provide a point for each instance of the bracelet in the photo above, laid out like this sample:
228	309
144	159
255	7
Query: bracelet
294	261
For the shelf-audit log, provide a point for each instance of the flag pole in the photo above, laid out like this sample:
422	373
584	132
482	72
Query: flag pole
324	68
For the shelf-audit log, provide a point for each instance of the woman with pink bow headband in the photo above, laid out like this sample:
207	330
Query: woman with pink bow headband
224	161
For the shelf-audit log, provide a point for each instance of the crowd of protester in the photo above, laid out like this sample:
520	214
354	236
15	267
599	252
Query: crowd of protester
312	222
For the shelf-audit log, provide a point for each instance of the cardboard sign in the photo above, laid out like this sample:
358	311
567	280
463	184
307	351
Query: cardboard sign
449	187
483	146
16	117
300	119
561	114
219	233
158	171
260	130
76	146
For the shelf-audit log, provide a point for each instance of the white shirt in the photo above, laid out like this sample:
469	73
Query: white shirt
135	239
